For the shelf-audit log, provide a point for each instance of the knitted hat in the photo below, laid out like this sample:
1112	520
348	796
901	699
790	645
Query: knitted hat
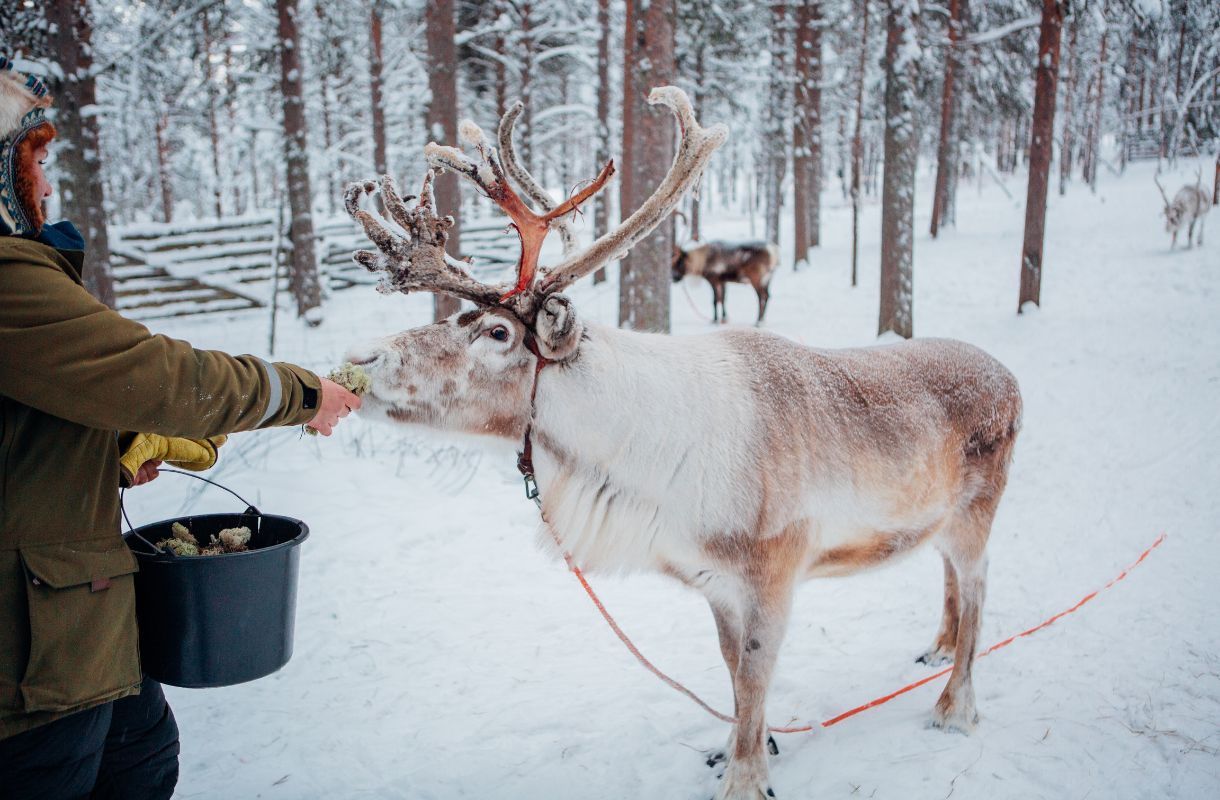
23	129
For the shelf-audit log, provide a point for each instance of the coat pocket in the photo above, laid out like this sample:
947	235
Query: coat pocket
84	644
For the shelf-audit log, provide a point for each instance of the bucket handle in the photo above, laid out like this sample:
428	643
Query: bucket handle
131	531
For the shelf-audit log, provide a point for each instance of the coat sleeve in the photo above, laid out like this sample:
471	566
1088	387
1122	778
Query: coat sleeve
67	354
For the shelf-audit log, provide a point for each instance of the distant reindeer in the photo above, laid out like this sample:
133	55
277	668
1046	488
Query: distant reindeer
785	463
1190	205
729	262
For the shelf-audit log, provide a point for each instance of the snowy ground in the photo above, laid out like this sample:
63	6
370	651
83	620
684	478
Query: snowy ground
438	654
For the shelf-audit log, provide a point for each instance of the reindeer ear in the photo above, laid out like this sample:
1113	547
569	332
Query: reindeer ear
557	329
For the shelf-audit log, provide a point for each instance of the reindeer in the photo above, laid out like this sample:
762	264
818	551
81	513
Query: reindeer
787	463
723	262
1189	204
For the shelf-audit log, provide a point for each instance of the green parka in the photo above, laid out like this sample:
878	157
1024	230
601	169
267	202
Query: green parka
73	373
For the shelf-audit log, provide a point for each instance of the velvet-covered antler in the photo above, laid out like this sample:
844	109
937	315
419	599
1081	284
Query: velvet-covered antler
488	175
417	261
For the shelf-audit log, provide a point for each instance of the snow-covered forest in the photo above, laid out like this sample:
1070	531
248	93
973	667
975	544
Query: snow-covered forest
995	171
224	109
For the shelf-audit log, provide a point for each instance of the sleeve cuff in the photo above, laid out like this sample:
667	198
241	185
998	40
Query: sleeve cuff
300	395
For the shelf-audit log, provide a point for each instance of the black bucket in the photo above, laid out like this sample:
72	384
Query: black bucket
217	620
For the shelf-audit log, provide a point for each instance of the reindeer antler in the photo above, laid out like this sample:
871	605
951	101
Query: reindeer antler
419	261
694	150
1156	180
489	177
525	180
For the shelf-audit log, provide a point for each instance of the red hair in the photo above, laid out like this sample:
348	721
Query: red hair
24	185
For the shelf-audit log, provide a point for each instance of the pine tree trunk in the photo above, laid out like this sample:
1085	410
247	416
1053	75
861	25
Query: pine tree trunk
213	130
697	102
163	176
378	107
945	151
442	117
1128	91
525	125
857	146
806	128
648	140
898	184
814	208
773	144
1095	147
326	79
1216	183
231	144
328	142
501	79
1041	145
252	160
82	196
601	201
303	276
1069	121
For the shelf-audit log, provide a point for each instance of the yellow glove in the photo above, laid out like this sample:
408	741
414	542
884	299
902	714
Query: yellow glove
193	454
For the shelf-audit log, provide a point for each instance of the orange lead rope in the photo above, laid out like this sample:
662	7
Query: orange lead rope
839	718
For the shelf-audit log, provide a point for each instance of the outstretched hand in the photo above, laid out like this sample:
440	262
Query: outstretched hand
335	404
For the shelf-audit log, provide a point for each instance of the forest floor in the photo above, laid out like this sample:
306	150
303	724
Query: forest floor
439	654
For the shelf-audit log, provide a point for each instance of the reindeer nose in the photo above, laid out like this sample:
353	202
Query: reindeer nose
363	358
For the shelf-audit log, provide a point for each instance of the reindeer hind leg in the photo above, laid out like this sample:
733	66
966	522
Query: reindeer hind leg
945	644
965	549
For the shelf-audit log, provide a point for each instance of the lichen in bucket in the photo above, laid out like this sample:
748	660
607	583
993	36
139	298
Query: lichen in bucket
183	542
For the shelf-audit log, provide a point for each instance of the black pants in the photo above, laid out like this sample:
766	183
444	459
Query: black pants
125	750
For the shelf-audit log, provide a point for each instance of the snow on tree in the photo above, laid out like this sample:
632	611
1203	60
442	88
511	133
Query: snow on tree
442	125
1047	72
902	57
303	279
644	277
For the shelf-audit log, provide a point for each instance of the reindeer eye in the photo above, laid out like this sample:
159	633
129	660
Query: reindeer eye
499	333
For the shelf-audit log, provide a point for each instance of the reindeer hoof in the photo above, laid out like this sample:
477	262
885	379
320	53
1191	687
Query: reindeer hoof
718	757
772	747
954	721
745	781
936	657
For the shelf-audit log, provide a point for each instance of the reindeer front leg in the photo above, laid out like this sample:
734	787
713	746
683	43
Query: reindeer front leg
728	629
765	605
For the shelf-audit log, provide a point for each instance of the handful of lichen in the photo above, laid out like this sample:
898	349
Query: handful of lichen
184	543
351	377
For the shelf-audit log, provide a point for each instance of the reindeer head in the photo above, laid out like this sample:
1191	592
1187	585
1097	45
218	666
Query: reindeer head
475	370
677	264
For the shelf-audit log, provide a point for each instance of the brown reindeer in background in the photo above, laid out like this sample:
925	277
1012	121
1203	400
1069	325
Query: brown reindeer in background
727	262
787	462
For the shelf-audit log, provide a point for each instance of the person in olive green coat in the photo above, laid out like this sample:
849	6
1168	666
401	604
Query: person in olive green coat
74	377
